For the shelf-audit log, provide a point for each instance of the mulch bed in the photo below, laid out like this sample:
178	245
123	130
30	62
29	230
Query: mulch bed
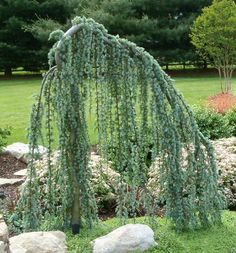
8	166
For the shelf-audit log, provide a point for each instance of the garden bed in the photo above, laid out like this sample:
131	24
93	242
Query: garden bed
8	166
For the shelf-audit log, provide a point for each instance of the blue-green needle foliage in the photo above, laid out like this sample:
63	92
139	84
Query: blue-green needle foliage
135	102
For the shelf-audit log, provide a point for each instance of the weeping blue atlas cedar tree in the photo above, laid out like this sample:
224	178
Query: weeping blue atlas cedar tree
136	103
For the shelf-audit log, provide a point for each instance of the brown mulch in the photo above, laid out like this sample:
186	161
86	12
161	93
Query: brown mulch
8	166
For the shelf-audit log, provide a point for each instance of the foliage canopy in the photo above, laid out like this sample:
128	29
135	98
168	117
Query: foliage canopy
19	46
135	101
161	27
214	35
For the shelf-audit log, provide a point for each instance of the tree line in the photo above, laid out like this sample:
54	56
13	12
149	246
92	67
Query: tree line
161	27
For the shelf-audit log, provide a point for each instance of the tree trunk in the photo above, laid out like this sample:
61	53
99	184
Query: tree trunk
8	72
76	205
76	212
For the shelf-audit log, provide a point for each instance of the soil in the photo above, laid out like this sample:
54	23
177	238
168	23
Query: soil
8	166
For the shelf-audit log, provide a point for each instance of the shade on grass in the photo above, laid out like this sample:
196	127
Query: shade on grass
218	239
17	96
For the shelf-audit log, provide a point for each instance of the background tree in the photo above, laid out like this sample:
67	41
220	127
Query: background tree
161	27
18	46
214	36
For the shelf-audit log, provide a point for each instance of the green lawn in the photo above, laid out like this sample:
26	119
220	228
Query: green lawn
218	239
17	96
197	89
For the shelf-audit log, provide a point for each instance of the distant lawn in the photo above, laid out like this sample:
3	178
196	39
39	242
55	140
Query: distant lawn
17	96
218	239
197	89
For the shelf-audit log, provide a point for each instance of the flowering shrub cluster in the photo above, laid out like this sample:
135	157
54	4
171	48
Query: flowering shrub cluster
226	160
105	179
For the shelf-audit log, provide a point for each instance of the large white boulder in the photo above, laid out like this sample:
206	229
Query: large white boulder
128	238
39	242
21	151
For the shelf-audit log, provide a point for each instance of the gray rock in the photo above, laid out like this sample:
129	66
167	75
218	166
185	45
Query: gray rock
21	151
21	173
10	181
20	250
4	240
39	242
3	231
2	247
128	238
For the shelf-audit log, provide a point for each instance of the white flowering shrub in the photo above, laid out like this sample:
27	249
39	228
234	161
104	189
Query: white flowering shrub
104	180
226	161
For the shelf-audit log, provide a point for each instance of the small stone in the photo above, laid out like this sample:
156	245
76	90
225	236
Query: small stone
128	238
2	195
21	173
8	181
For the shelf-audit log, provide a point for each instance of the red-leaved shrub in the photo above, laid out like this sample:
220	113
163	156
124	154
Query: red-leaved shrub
222	102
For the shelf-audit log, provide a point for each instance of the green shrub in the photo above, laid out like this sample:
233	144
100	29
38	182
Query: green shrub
213	124
4	133
231	116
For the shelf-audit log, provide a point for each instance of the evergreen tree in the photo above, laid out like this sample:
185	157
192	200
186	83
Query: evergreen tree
133	95
161	27
18	47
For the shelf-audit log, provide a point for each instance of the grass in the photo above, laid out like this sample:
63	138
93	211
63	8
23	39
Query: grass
17	96
217	239
197	89
16	99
